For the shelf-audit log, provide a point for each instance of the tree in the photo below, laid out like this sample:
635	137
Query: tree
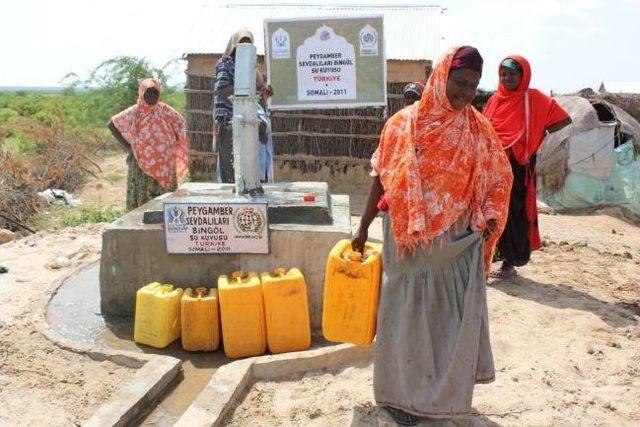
119	77
114	84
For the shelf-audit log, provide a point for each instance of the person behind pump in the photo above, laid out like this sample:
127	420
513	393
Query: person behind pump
265	132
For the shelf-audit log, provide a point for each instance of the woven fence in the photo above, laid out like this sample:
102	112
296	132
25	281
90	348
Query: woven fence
300	135
199	94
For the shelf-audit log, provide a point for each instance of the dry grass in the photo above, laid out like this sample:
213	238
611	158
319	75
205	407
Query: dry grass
60	160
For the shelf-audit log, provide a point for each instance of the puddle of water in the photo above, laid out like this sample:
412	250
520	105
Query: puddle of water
74	312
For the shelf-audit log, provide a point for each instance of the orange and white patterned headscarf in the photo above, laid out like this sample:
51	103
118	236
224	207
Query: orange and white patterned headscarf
436	163
157	137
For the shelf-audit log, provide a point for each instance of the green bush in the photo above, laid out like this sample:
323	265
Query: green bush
86	105
7	114
64	216
16	145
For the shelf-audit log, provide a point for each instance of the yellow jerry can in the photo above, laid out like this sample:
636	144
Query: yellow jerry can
157	321
242	313
352	285
286	310
200	319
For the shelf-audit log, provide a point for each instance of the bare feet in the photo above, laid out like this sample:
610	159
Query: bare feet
505	271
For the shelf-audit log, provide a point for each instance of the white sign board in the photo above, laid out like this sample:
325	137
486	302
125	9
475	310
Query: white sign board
326	62
326	67
216	227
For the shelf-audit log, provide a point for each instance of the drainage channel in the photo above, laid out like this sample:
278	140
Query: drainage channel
74	313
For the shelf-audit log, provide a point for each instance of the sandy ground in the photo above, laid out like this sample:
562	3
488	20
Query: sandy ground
565	335
41	384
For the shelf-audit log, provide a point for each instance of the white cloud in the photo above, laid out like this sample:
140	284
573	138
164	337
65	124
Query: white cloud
570	44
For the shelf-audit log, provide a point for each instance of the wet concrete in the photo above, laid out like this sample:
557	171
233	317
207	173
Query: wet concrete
74	313
285	201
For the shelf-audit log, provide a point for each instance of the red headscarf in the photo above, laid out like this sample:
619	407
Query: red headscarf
467	57
521	125
157	137
436	163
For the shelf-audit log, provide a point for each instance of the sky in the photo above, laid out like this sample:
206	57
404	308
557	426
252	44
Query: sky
571	44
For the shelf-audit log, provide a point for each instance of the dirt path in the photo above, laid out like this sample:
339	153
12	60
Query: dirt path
41	384
565	336
109	186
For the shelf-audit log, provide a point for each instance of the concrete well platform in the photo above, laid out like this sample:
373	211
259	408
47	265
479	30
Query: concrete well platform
301	235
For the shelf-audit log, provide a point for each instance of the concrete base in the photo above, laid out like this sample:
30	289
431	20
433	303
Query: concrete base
285	201
231	382
134	398
134	254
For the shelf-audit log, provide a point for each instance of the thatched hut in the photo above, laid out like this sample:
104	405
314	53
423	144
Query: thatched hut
629	102
324	145
625	95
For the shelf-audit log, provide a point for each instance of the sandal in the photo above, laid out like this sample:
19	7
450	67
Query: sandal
502	274
401	417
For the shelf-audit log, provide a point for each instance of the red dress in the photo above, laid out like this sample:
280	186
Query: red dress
520	118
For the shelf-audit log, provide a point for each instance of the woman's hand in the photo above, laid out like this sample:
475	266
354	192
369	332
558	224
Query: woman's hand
358	241
492	225
370	212
117	135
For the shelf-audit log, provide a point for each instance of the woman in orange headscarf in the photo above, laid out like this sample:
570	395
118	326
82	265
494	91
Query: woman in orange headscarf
446	184
522	117
155	136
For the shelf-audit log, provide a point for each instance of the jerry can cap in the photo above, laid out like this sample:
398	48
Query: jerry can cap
352	255
237	276
279	272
